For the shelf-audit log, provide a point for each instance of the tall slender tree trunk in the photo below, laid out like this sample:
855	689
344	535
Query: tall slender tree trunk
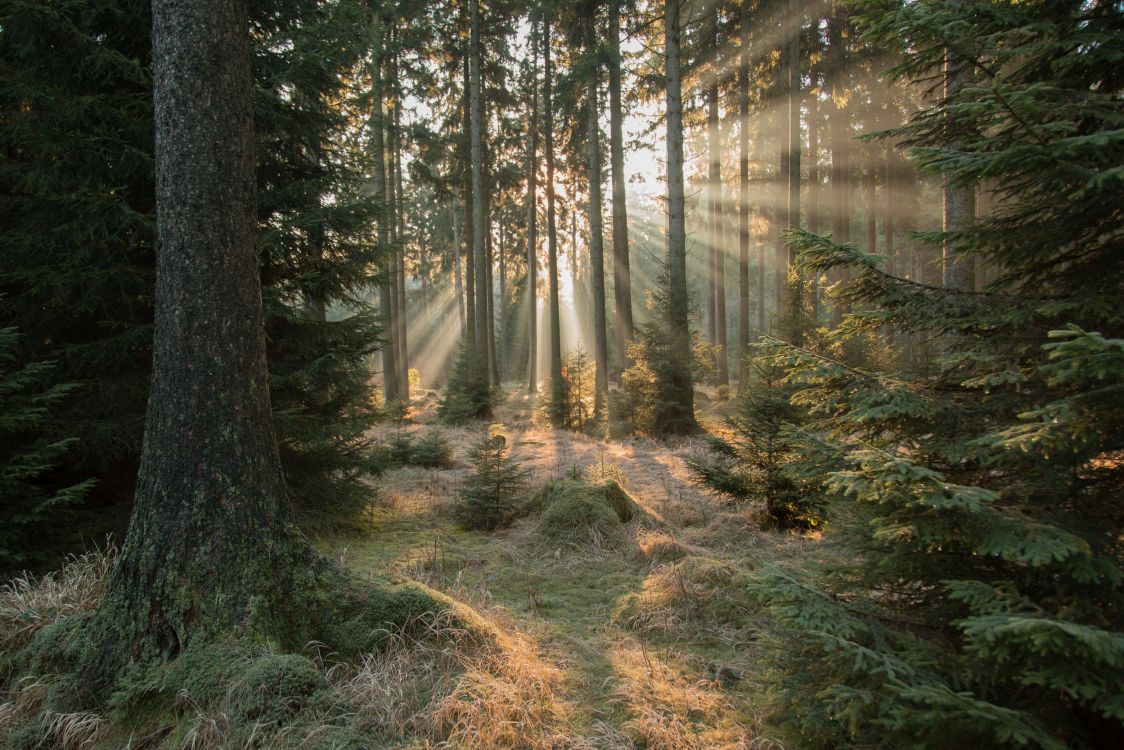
622	276
476	162
458	282
870	193
471	340
501	338
379	189
557	384
714	207
403	353
840	143
532	224
959	200
743	199
596	234
792	219
489	266
675	410
814	189
211	549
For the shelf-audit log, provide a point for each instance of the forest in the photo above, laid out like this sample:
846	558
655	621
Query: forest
598	375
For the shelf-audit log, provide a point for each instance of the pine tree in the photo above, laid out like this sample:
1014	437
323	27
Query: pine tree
31	508
978	597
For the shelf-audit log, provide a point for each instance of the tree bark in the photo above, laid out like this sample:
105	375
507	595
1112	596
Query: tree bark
675	413
532	224
743	199
557	384
596	235
403	353
959	200
458	283
476	156
714	208
792	219
840	143
391	386
211	548
622	276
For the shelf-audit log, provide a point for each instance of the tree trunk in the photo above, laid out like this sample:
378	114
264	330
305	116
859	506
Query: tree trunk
622	276
532	225
596	236
840	144
458	283
557	384
211	549
675	411
501	338
714	208
391	386
471	340
403	353
959	200
792	219
743	199
479	222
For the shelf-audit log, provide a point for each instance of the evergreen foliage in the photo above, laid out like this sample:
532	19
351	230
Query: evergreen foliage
31	503
977	597
490	496
647	387
756	460
469	396
76	219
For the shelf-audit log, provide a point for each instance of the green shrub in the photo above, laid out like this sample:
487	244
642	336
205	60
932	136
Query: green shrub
432	451
489	498
755	462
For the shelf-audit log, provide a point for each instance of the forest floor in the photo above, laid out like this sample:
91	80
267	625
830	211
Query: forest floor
643	640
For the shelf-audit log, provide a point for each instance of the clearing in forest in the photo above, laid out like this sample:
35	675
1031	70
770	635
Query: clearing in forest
636	637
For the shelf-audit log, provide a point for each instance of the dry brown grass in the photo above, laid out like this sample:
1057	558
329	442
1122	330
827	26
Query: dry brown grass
30	603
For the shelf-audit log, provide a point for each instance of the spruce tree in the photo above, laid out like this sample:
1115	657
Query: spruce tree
977	598
32	507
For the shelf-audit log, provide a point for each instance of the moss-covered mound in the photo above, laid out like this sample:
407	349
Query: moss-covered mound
575	511
685	594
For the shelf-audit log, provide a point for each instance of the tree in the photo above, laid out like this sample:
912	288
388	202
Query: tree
558	408
675	408
714	212
622	277
596	236
387	295
211	505
533	219
743	198
975	505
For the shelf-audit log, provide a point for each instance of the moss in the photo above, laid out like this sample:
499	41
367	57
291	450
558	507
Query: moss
275	687
574	512
57	648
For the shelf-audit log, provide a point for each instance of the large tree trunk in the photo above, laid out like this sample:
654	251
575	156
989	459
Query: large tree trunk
743	199
675	410
622	276
387	297
596	235
557	384
532	225
211	548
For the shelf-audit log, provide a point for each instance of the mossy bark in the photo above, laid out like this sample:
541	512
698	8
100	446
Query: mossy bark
211	546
